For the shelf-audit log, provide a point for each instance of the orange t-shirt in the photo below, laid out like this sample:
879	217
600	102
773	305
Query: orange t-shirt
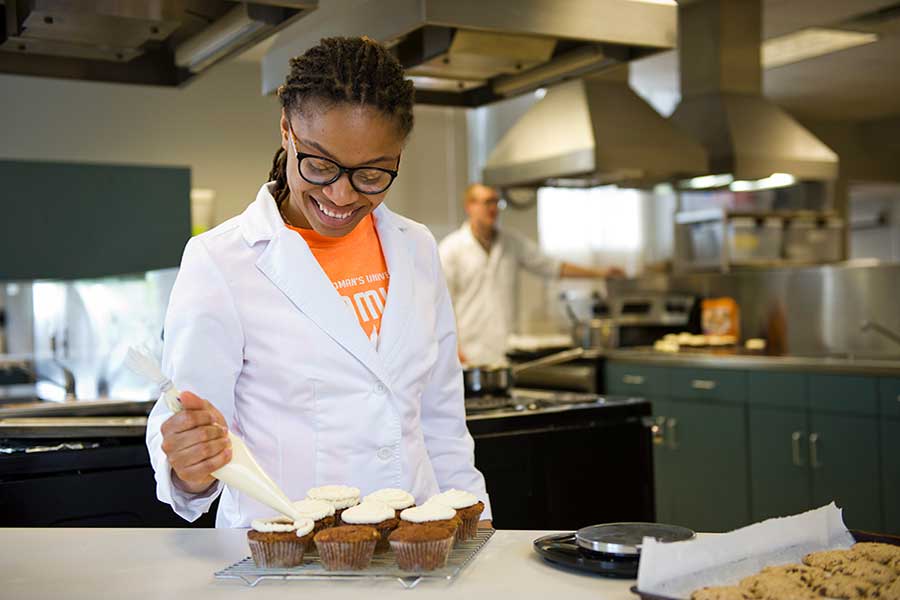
356	267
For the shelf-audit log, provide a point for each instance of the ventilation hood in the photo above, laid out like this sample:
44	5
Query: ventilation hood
722	104
157	42
472	52
590	132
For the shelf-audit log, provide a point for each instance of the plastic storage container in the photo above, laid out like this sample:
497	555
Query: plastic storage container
750	239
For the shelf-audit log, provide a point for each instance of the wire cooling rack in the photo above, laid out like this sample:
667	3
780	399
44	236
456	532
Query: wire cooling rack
383	566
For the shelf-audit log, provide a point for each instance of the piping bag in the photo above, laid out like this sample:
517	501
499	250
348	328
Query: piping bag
242	472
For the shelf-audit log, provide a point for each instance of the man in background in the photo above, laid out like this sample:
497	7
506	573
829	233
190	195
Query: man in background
481	262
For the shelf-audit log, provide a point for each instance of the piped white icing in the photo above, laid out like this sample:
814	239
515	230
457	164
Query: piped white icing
395	498
455	499
367	513
340	496
282	525
430	511
314	509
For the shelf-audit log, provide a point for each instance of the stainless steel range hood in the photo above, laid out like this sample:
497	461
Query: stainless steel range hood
590	132
472	52
722	104
158	42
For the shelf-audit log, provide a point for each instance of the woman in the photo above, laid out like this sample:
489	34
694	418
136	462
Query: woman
317	324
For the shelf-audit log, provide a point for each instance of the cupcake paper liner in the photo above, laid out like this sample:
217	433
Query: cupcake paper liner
340	556
422	556
277	554
468	528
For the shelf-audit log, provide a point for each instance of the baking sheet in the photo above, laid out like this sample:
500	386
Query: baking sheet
675	570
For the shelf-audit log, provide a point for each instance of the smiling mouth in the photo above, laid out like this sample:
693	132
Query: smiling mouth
333	217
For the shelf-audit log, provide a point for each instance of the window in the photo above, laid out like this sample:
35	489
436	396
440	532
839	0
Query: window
601	226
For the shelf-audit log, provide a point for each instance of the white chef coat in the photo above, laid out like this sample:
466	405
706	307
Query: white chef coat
255	326
484	286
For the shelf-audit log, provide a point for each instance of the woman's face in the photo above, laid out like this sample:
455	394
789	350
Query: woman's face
352	136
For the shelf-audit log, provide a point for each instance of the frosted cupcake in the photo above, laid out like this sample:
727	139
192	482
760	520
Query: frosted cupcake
468	509
395	498
340	496
279	542
421	547
430	513
348	547
319	511
374	514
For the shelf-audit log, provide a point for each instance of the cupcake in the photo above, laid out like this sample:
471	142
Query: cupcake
279	542
468	509
374	514
340	496
346	548
421	547
320	512
395	498
430	513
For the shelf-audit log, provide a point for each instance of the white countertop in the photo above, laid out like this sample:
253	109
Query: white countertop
179	563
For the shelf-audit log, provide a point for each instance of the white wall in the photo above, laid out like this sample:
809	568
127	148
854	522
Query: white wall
221	127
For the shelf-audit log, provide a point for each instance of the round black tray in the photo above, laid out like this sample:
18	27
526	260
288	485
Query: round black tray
561	549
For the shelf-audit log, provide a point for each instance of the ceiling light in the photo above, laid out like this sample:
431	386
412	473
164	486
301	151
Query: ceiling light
707	181
775	180
809	43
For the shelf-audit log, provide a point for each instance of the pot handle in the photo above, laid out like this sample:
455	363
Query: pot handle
553	359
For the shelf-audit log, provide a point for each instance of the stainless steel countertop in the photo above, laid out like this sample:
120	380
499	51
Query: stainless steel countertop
734	360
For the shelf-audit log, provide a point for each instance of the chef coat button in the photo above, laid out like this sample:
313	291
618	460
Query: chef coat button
385	453
380	388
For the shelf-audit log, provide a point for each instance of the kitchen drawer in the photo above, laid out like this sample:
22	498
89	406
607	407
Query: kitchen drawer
889	390
709	384
844	394
636	380
778	390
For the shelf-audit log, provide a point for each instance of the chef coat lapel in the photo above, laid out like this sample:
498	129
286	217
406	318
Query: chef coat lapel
290	265
397	249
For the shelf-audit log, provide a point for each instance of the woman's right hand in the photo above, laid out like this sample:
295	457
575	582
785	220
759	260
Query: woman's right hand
196	443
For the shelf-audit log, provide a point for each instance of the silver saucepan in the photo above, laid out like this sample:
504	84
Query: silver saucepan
498	380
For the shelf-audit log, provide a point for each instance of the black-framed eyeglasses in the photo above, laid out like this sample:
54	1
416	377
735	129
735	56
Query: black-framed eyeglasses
319	170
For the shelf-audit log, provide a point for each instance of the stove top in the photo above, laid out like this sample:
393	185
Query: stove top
536	401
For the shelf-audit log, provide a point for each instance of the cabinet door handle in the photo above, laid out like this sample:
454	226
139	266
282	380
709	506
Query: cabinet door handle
657	430
814	450
633	379
795	448
672	427
703	384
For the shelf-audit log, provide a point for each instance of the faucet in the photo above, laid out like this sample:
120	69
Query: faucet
878	327
68	376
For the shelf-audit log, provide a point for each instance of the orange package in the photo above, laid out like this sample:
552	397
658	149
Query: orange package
721	316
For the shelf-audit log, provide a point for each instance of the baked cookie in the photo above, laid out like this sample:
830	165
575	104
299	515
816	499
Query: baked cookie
828	559
730	592
874	551
837	585
801	573
890	591
867	570
770	586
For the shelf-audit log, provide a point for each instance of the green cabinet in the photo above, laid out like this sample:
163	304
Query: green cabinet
890	474
779	474
733	447
844	459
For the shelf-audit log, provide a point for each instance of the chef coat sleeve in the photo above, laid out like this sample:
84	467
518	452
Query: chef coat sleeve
533	259
447	439
203	354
